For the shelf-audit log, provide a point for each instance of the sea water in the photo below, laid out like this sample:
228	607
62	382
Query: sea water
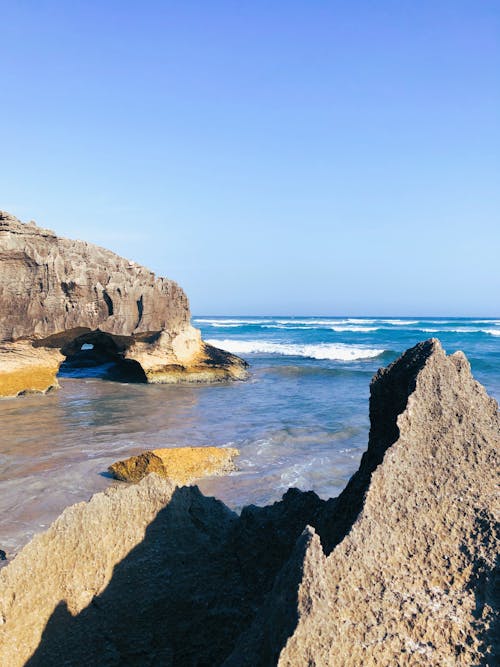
300	420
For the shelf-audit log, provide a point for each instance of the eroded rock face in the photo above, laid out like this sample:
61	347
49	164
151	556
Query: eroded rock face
182	465
57	294
25	370
398	570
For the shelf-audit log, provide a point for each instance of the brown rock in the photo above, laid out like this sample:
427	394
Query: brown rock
398	570
57	294
180	464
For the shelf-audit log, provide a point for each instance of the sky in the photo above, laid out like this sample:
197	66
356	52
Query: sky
273	157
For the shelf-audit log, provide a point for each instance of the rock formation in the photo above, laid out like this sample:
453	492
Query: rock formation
415	580
57	295
398	570
182	465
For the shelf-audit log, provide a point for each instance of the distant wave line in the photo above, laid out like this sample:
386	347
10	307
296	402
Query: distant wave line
492	332
341	326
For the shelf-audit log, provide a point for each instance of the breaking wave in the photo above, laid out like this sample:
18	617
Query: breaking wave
400	323
358	329
492	332
334	351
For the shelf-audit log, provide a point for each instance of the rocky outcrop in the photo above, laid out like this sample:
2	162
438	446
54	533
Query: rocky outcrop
415	579
182	465
398	570
24	369
57	295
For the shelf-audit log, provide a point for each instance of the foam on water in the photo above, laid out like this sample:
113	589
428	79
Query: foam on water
466	330
231	324
359	320
348	324
400	322
226	326
333	351
279	322
355	329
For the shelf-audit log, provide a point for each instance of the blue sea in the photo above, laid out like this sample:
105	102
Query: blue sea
300	420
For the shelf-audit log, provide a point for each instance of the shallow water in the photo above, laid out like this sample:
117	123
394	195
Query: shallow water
301	420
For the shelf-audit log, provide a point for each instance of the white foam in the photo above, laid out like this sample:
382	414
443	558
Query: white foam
221	322
492	332
358	328
400	323
323	322
493	322
458	320
359	320
289	327
279	323
334	351
297	475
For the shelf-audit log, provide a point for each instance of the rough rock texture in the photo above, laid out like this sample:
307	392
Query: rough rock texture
182	465
414	582
57	294
72	561
23	370
398	570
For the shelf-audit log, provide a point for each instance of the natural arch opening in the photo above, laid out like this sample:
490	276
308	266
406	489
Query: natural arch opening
99	355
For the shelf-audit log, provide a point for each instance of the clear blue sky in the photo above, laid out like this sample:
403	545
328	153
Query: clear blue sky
284	157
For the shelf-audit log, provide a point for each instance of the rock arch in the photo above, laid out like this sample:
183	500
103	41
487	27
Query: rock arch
57	294
100	350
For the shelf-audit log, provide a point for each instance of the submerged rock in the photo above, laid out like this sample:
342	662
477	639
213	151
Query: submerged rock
180	464
398	570
57	295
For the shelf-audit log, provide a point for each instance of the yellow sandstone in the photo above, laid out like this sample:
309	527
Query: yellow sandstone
180	464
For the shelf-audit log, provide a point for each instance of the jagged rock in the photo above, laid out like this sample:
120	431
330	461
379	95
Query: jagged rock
398	570
414	582
57	294
180	464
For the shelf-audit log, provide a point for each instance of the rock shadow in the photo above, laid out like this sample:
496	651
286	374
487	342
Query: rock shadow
167	600
185	594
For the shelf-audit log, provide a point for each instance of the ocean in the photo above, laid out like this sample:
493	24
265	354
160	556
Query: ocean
300	420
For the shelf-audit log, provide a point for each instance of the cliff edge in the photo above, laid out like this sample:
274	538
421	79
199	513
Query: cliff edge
57	295
400	569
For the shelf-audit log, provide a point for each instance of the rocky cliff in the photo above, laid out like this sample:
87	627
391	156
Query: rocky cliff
398	570
57	295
